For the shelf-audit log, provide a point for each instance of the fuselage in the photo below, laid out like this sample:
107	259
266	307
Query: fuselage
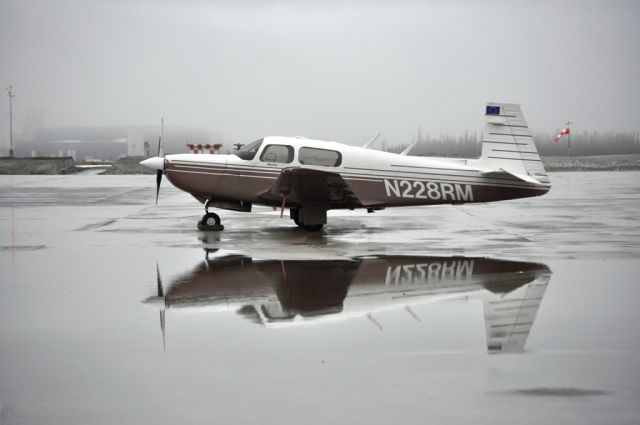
378	179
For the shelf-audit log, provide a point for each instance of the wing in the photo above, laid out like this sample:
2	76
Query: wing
301	185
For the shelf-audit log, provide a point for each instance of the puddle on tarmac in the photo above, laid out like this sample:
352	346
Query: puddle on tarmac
277	293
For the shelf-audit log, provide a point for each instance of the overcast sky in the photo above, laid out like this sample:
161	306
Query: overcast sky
330	70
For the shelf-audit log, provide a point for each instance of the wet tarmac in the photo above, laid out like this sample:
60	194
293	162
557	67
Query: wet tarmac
114	310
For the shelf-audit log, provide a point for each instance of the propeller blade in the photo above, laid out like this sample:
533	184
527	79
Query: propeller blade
162	311
160	155
160	290
158	180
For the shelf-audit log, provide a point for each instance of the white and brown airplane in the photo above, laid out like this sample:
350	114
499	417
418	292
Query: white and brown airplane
283	293
311	177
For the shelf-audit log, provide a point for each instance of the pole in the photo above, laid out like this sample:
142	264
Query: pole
11	96
162	135
569	138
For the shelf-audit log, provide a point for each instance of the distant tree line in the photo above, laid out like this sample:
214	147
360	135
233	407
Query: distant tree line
469	145
590	143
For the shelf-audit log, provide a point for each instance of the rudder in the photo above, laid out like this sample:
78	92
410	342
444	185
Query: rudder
507	144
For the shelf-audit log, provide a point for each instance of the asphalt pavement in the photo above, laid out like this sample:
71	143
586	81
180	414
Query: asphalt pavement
114	309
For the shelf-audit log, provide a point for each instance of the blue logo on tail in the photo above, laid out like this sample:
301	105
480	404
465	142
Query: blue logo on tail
493	110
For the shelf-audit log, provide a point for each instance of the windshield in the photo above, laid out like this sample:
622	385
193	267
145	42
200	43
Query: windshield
249	151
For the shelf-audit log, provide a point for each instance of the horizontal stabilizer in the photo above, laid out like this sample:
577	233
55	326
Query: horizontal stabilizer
502	172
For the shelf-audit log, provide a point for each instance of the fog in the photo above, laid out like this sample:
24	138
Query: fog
324	70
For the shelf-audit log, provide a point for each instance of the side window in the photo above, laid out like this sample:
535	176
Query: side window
324	157
277	153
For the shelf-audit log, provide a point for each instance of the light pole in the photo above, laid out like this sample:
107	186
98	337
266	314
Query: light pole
569	123
11	96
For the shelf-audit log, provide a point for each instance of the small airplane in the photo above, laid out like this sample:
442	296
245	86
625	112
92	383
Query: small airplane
311	177
284	293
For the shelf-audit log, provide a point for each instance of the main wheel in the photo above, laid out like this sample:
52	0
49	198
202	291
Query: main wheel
210	221
295	215
312	227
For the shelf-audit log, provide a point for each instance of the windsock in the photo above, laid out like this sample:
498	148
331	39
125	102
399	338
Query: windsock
563	132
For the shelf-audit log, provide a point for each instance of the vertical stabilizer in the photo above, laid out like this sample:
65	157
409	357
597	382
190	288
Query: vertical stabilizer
507	144
509	318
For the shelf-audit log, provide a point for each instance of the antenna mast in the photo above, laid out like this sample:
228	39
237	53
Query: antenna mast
11	96
569	123
161	150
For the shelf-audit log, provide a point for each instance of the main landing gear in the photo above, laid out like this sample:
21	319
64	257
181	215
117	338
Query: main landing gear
209	221
295	216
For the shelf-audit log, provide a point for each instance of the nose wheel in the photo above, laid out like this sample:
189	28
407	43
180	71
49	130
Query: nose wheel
210	221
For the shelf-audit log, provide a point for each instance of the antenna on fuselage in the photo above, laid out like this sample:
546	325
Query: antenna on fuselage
372	140
409	148
374	321
412	313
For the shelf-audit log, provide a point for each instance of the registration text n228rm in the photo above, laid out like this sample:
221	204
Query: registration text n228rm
436	191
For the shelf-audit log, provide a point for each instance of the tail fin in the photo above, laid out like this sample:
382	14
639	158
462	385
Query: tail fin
509	318
507	145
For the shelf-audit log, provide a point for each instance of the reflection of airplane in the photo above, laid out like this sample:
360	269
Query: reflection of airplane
276	293
311	177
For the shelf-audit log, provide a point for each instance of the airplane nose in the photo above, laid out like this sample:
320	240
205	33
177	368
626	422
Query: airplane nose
155	163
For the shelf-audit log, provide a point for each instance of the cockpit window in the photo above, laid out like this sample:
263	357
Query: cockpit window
249	151
277	153
323	157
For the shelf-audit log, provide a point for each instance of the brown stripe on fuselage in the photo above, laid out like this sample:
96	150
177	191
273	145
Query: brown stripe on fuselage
473	178
501	182
247	184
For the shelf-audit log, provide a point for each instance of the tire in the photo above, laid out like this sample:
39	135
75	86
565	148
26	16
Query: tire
295	212
312	227
210	221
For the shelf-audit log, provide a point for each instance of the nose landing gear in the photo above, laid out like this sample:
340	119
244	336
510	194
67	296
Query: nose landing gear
210	221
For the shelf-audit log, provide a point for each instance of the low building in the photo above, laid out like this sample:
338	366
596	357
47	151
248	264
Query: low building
109	143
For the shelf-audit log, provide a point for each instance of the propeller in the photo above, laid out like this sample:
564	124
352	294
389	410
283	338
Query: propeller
159	172
159	281
160	155
157	162
160	302
162	311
